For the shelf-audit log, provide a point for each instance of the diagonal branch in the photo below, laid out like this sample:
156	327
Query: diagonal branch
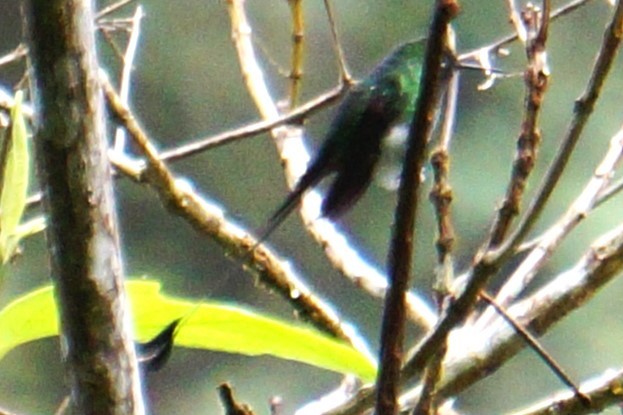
207	219
553	237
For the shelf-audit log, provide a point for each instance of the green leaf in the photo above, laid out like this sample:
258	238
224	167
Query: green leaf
15	187
206	325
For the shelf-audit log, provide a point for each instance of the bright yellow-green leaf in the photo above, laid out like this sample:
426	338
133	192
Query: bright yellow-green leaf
15	186
205	325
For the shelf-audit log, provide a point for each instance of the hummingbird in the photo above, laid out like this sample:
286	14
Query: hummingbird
352	147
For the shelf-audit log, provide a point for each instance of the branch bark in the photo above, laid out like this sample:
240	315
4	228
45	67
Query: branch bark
403	232
82	234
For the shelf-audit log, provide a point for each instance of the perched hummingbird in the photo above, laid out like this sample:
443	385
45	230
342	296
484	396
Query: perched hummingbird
352	147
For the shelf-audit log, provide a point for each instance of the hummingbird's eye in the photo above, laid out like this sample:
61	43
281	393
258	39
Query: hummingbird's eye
390	88
395	84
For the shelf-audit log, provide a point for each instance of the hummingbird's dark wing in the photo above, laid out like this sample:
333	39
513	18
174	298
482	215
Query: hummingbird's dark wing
358	162
327	160
352	150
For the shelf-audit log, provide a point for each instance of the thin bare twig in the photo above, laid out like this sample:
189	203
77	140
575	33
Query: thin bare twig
441	199
16	54
112	8
609	192
345	76
63	406
296	68
533	343
126	74
427	404
535	24
441	193
204	144
604	196
106	34
295	116
517	21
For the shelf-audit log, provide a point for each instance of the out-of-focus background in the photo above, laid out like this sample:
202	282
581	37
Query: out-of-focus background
187	84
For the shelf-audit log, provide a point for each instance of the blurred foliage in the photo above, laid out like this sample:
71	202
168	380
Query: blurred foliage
187	85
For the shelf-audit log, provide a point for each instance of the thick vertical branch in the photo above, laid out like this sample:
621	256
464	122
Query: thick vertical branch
401	248
82	233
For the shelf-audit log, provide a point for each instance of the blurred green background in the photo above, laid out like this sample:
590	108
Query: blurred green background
187	84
